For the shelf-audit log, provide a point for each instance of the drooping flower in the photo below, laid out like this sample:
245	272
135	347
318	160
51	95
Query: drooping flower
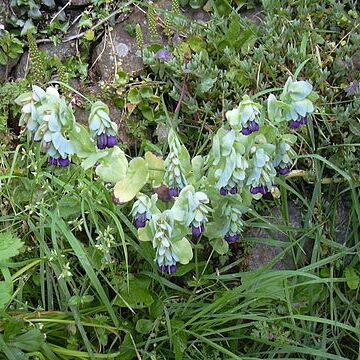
284	153
262	169
295	102
233	226
229	162
246	117
175	164
166	257
191	209
102	128
30	102
49	119
142	209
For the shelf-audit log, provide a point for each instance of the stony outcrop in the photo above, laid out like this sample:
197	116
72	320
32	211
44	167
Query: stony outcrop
119	50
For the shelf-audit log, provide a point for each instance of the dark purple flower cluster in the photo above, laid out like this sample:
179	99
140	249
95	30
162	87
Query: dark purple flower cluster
283	171
197	231
104	141
223	191
296	124
140	220
174	192
231	238
59	162
252	127
167	269
259	190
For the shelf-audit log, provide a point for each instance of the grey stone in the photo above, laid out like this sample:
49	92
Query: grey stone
119	50
4	74
4	11
261	253
76	3
62	50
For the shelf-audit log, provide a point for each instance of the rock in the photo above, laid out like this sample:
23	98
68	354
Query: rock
4	74
4	11
256	16
75	3
261	254
119	50
62	50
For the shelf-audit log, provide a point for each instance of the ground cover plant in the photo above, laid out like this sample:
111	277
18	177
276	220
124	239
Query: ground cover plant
143	249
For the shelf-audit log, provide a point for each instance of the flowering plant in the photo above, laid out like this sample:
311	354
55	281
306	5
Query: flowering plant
208	194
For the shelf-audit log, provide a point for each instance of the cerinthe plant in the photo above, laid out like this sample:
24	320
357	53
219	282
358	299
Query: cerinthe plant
210	193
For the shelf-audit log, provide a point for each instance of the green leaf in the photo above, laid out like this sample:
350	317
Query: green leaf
144	326
299	90
49	3
89	35
68	205
145	233
113	167
223	7
93	158
5	293
134	96
220	246
81	141
183	250
156	168
28	27
146	92
135	293
136	177
9	246
196	43
206	84
29	341
352	278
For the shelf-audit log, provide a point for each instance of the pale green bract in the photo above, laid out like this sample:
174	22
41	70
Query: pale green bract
262	169
145	205
295	102
229	163
247	111
49	119
176	163
284	151
100	122
168	240
191	208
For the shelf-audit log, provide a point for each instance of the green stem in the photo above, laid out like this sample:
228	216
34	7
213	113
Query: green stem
304	174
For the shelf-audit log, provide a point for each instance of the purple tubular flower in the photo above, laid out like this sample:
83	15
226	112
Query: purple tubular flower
253	126
102	141
231	238
111	141
52	161
283	171
295	124
223	191
246	131
140	220
255	190
174	192
233	190
64	162
167	269
303	120
197	231
263	190
163	55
